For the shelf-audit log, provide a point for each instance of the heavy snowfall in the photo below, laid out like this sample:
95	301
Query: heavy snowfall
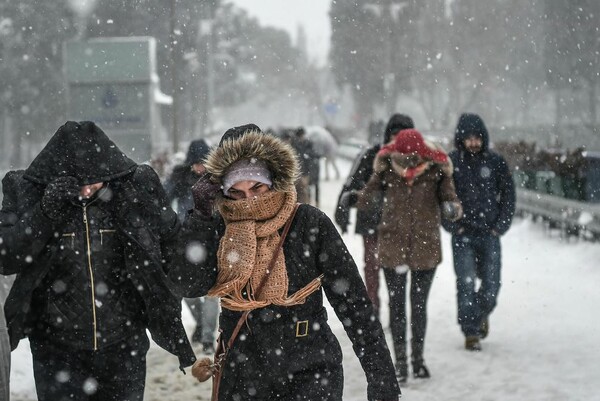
158	74
543	343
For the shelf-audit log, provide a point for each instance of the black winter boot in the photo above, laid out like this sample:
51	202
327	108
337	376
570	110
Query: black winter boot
420	371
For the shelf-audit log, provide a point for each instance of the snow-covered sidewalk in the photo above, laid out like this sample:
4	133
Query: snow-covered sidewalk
543	344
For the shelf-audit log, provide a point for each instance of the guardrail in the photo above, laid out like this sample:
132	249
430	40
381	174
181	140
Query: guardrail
567	213
349	150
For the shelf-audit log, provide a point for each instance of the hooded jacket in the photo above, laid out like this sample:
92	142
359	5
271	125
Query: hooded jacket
178	186
270	349
128	230
483	183
362	169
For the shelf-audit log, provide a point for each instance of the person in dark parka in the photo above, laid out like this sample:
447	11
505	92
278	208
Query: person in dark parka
178	188
88	233
367	221
286	350
486	191
178	185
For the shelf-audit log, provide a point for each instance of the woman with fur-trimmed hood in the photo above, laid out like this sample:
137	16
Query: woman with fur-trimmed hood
286	348
415	180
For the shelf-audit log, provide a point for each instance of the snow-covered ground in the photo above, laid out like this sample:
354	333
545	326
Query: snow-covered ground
543	344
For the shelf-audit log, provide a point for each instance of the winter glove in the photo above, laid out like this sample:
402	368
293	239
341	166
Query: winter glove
205	192
58	197
451	211
342	212
348	199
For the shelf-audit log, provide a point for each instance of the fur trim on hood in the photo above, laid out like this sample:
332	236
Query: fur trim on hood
281	159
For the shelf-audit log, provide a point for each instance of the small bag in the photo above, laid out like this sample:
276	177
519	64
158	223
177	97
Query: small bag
203	369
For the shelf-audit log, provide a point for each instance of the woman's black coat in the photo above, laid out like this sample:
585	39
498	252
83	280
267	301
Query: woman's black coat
267	352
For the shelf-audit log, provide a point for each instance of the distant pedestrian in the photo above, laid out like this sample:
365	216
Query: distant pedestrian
325	145
486	190
415	178
178	188
285	349
308	159
368	220
89	233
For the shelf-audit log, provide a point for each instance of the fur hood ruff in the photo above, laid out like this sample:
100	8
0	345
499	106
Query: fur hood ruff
281	159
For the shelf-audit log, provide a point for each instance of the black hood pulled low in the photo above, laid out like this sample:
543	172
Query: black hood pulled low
470	124
81	150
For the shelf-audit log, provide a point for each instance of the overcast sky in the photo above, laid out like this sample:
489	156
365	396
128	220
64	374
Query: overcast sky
288	14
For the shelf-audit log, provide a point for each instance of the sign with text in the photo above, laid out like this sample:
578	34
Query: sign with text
111	81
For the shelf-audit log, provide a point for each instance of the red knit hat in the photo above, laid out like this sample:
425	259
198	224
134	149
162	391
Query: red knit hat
411	141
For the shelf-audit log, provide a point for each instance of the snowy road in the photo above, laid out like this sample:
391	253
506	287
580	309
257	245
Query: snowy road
543	343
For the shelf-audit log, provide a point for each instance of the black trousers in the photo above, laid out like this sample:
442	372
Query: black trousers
420	284
115	373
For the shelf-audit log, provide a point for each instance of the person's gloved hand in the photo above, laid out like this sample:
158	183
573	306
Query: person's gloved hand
451	211
348	199
58	197
205	192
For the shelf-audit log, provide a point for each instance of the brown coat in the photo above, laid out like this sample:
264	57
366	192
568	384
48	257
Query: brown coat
409	231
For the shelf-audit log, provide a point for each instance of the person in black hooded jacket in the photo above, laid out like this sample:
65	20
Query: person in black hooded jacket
367	221
179	193
486	191
88	233
285	350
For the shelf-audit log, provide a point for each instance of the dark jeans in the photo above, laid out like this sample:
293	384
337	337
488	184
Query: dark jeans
476	256
115	373
371	269
420	284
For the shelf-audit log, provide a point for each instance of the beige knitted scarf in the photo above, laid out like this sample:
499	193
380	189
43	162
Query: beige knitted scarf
246	249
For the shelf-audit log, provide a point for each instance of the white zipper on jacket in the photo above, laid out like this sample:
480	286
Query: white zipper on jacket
91	270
